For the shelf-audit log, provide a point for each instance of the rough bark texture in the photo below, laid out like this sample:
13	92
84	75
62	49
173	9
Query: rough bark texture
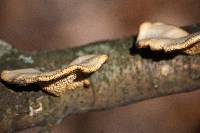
129	76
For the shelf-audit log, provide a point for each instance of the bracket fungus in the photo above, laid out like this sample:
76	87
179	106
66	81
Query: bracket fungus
58	81
169	38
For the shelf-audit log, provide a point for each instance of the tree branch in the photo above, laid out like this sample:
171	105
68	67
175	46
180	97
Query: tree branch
130	75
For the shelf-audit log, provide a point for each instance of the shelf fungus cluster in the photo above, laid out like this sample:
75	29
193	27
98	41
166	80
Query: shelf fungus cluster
58	81
169	38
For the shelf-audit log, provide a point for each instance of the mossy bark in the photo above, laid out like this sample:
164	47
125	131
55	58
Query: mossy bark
130	75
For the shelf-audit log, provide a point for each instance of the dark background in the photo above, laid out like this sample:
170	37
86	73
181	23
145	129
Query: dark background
51	24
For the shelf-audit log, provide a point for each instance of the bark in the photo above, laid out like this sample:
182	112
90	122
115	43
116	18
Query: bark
129	76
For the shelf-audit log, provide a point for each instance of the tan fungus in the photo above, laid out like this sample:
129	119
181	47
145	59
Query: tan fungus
160	36
58	81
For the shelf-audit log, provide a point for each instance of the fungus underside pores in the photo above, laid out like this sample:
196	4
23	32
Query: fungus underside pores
57	82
